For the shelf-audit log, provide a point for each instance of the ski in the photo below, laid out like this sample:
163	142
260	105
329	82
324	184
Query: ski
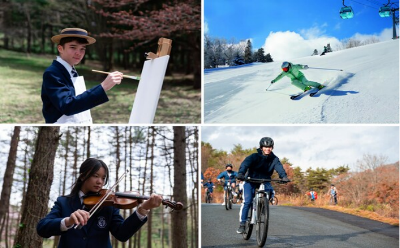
299	95
313	93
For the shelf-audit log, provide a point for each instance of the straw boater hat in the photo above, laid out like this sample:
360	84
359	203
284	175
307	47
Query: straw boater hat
73	32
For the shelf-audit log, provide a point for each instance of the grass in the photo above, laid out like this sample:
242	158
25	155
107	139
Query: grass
20	102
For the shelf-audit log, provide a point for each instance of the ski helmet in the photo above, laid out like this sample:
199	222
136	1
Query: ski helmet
228	165
266	142
285	66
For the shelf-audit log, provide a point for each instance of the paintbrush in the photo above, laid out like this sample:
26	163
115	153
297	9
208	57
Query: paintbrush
125	76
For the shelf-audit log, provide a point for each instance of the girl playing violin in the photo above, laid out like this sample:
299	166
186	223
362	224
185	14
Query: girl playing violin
68	211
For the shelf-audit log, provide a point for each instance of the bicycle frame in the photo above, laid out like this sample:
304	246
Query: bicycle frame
260	193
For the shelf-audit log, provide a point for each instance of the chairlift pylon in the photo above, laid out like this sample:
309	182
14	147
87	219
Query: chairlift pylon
346	12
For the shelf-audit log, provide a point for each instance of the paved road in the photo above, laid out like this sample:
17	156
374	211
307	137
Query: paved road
297	227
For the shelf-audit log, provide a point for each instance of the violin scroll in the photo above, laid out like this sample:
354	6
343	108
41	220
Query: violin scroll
172	204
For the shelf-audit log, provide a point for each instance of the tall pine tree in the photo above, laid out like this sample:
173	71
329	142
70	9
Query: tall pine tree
247	53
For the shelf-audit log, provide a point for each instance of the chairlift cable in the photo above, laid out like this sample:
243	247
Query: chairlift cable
363	4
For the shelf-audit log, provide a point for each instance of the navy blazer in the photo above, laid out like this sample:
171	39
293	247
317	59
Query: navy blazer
58	94
260	166
95	233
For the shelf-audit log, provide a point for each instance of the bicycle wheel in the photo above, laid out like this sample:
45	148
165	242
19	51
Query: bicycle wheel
226	200
230	199
262	221
249	227
274	201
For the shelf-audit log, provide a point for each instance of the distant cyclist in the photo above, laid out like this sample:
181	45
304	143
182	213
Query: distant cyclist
209	185
260	165
230	177
333	192
312	194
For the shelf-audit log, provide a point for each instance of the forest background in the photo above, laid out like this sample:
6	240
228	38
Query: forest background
124	31
43	162
371	189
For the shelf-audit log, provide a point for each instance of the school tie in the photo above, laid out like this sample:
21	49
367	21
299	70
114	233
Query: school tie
74	73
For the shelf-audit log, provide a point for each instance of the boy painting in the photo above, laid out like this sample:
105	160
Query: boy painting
64	95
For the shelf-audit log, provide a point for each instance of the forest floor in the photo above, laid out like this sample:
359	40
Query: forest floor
20	102
320	203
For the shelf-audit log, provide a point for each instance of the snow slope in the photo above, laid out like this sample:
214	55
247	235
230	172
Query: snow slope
366	91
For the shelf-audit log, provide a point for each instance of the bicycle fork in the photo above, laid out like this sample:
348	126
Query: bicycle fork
258	197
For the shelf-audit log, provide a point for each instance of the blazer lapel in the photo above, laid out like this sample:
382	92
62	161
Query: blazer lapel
64	71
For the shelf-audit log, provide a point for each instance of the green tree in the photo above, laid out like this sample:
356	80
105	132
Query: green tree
248	53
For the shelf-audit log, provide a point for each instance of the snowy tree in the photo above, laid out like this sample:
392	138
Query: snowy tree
247	53
315	52
259	55
268	58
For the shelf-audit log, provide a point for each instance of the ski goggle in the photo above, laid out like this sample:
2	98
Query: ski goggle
285	69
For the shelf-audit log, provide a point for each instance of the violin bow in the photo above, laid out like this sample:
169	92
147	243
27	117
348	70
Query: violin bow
98	204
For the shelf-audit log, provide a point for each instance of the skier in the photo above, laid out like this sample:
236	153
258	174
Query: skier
298	79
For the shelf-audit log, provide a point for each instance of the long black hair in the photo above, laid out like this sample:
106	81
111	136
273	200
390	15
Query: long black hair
88	168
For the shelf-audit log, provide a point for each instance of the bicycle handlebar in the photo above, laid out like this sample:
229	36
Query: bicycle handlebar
259	180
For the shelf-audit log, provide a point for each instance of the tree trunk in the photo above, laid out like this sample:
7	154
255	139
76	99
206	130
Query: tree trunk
179	219
150	215
9	173
88	143
75	165
40	179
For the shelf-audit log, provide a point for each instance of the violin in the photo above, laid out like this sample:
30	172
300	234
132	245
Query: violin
106	197
123	200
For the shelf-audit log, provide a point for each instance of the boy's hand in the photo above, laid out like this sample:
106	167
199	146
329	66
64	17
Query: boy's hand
112	79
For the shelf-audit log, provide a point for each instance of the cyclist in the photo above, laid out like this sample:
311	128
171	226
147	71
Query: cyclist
333	192
312	194
209	187
230	177
259	165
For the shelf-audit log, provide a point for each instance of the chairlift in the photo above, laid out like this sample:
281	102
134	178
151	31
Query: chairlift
385	11
346	12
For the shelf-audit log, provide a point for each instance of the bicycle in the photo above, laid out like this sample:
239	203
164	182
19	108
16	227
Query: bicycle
228	198
259	213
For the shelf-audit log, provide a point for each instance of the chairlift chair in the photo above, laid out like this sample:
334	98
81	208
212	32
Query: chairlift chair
385	11
346	12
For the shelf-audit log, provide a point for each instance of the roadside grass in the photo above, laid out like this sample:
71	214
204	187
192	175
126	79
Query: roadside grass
382	213
20	102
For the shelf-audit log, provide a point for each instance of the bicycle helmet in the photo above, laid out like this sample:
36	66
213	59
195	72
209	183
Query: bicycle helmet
285	66
228	165
266	142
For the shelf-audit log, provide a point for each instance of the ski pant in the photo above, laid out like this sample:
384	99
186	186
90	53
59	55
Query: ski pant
302	82
249	190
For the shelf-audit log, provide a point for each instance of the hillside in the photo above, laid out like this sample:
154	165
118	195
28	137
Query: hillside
366	91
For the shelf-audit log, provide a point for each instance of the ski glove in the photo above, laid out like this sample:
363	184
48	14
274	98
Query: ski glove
305	67
272	81
240	177
285	180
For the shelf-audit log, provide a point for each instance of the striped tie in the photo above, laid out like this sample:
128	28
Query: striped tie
74	73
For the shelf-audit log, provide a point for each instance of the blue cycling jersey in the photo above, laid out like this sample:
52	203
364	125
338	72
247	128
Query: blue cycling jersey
229	177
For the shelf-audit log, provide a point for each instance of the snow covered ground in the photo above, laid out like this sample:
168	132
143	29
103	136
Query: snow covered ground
366	91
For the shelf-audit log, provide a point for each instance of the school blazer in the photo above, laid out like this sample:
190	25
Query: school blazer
58	94
95	233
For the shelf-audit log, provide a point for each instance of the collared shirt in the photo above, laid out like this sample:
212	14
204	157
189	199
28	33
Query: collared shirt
64	228
66	65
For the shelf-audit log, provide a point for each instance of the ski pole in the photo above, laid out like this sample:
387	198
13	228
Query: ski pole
324	69
268	87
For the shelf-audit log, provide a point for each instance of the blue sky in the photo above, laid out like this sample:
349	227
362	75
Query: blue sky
312	19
